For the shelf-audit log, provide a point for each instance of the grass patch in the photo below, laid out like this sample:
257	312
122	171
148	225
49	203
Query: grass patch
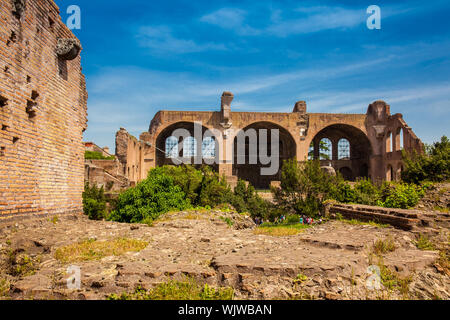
384	246
444	262
423	243
300	278
95	250
280	230
440	209
5	286
188	289
363	223
391	280
95	155
21	265
227	220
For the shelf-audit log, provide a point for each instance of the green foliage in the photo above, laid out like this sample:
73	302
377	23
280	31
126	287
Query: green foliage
95	155
324	150
188	289
304	187
171	188
424	243
94	202
434	165
152	197
187	178
400	195
246	199
214	189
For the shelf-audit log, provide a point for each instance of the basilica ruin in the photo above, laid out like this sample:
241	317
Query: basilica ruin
356	145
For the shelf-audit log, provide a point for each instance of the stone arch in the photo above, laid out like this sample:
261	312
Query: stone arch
252	172
359	145
167	132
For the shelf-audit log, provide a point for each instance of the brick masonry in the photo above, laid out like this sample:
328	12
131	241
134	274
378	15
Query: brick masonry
43	110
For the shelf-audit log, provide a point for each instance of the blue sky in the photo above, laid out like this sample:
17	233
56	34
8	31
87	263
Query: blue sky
143	56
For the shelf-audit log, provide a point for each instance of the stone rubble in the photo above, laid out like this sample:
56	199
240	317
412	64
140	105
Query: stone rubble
332	258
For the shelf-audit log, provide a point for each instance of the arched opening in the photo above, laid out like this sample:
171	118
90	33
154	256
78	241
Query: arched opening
343	149
400	139
189	147
209	148
326	149
346	173
248	166
171	150
352	150
311	151
399	172
389	142
171	147
364	170
390	174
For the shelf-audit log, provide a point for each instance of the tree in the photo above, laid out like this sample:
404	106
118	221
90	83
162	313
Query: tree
304	187
324	150
433	165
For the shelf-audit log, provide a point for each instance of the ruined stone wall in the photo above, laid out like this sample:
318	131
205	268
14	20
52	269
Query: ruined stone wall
42	111
130	153
367	135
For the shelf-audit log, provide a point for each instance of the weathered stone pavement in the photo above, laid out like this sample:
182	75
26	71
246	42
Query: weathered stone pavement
333	257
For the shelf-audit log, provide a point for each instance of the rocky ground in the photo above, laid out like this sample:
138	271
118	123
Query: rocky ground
437	198
328	261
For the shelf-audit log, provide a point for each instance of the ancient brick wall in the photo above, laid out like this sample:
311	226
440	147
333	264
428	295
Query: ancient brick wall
42	111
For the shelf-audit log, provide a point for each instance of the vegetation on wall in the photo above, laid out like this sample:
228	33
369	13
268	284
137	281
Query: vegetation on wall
95	155
433	165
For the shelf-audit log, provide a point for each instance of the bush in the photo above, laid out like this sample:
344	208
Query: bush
94	202
152	197
246	199
187	178
304	188
400	195
433	166
170	188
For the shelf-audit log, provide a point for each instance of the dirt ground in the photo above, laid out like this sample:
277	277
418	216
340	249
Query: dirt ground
328	261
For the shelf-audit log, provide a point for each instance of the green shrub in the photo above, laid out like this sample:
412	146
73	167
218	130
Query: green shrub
304	187
152	197
94	202
95	155
400	195
214	189
187	178
433	165
246	199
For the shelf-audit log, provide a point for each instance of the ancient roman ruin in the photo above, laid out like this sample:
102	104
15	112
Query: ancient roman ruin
360	145
43	102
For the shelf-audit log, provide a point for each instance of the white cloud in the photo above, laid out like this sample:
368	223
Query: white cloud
230	19
161	39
